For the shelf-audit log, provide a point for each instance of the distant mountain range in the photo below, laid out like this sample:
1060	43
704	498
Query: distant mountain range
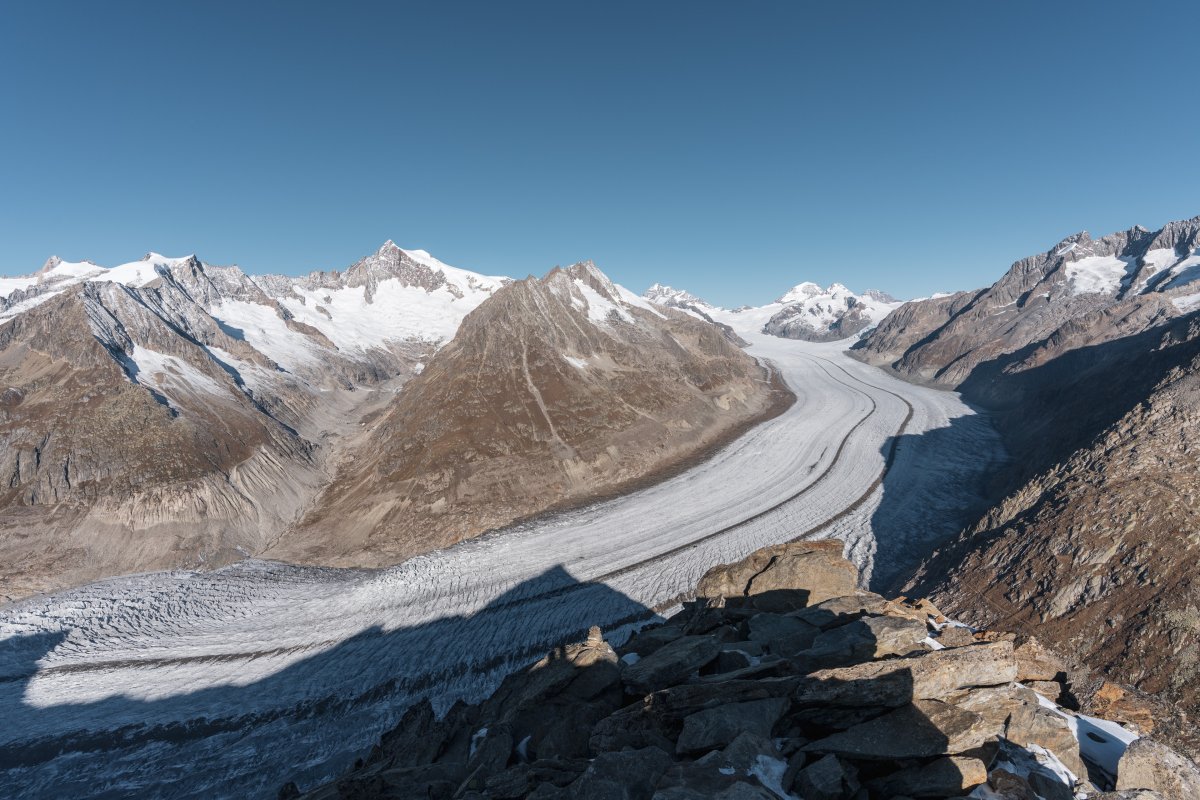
806	311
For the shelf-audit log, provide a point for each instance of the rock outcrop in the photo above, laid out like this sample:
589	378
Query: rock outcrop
723	700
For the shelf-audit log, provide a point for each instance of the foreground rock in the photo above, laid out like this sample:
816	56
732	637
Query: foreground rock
724	700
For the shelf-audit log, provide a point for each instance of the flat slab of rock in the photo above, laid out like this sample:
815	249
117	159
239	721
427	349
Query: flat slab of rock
672	663
864	639
923	729
840	610
951	776
717	727
895	682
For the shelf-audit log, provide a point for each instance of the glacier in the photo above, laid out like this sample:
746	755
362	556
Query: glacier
229	683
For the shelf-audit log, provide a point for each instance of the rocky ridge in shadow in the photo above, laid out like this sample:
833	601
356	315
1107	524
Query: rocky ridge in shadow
783	680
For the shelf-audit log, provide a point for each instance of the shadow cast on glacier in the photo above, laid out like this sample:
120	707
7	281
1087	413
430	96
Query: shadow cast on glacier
237	736
937	483
1041	410
1047	409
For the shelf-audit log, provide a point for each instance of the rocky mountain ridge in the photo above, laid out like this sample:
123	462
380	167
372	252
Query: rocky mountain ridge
1082	291
782	681
1096	550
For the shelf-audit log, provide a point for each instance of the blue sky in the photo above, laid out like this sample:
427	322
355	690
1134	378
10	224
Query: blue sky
732	149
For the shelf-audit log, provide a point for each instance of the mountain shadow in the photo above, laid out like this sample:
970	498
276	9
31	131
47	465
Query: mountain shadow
1049	406
1043	409
306	722
937	482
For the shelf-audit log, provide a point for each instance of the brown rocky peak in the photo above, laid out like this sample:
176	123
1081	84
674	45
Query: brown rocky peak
547	397
389	261
590	274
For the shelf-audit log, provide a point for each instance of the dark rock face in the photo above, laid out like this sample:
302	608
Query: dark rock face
588	721
1091	552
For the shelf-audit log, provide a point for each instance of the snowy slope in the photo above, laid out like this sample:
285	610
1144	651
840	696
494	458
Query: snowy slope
27	291
386	304
391	297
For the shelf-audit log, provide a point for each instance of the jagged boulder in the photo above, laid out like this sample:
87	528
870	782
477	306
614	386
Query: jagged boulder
813	571
1025	721
671	663
827	778
1147	764
627	775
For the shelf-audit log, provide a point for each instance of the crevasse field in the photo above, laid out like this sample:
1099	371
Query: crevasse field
230	683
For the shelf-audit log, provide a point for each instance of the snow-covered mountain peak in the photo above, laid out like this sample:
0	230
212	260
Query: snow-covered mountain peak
159	258
806	311
800	292
1073	244
879	296
586	288
390	297
810	312
588	273
665	295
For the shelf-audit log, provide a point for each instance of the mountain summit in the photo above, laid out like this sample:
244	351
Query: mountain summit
555	391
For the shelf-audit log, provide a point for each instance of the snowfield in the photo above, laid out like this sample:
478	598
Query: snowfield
230	683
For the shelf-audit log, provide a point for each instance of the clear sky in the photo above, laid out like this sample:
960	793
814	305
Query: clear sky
733	149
